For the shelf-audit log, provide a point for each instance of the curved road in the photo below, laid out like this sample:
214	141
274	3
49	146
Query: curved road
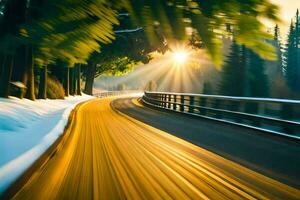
267	154
108	155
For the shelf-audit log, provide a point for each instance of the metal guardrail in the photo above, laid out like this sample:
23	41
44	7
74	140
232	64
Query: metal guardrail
115	93
279	116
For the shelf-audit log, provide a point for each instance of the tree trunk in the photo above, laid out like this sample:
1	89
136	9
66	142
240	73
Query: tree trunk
72	81
78	89
90	75
4	57
75	80
30	75
43	83
244	76
6	76
1	63
22	67
67	81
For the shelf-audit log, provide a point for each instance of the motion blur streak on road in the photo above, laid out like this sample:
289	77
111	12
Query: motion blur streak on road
108	155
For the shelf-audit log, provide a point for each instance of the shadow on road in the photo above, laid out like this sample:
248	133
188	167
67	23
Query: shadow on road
271	156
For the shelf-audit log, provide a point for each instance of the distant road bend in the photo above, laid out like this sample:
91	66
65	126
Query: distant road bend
106	154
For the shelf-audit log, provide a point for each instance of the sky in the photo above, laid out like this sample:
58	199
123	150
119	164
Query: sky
287	11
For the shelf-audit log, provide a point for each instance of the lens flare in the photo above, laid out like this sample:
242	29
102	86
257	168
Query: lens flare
180	57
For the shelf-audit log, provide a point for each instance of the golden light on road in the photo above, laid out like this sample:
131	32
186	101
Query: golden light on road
109	155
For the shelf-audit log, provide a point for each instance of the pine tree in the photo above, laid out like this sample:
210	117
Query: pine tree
208	19
278	46
233	82
292	56
13	15
256	78
243	74
275	69
71	31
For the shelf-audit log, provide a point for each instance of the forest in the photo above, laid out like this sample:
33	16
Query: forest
250	75
52	49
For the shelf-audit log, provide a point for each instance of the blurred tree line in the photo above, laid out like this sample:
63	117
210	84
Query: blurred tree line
246	74
48	46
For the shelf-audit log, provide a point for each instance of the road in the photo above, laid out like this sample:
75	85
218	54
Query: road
267	154
108	155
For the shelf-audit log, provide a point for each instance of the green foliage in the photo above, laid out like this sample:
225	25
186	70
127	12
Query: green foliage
257	79
9	22
72	36
115	67
275	69
208	19
277	43
251	34
233	77
292	56
119	57
72	30
80	31
243	74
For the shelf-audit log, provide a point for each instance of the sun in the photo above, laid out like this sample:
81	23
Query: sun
180	57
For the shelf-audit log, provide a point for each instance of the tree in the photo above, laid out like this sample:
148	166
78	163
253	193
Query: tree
121	87
275	69
43	83
243	74
278	46
129	48
71	31
256	77
233	77
78	78
69	43
292	56
13	15
151	86
114	67
208	19
51	32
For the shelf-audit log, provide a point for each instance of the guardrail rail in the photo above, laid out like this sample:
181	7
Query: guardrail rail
115	93
279	116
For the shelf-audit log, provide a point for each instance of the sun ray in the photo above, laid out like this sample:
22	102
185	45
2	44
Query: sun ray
177	70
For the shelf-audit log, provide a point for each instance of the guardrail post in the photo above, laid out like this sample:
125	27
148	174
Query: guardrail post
260	111
252	108
240	107
203	104
279	114
217	105
286	113
175	101
169	101
181	102
191	107
161	99
257	122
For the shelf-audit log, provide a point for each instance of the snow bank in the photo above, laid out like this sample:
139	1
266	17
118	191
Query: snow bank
27	130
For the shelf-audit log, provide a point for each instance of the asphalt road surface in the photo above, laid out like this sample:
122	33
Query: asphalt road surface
108	155
270	155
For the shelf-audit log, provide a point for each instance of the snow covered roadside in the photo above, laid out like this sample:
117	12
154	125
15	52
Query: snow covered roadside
27	130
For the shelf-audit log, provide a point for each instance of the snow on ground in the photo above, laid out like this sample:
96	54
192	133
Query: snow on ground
27	129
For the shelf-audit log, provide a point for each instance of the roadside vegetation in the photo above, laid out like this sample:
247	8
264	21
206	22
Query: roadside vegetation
72	41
